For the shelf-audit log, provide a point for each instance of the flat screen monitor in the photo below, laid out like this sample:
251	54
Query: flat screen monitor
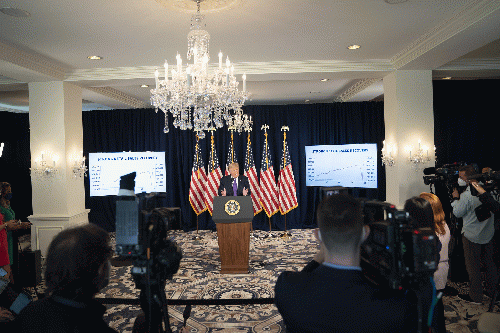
105	170
351	165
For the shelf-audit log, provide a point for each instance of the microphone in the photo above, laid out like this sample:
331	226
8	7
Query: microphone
186	313
429	171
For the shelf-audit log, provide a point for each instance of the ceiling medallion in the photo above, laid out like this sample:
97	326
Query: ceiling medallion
190	6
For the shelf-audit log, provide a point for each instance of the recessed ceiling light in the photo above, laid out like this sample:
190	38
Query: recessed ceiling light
353	47
447	78
94	57
144	85
324	80
14	12
307	100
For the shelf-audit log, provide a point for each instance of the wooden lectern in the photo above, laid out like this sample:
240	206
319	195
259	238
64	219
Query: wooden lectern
233	218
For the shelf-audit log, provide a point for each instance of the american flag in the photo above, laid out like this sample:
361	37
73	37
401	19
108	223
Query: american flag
231	156
286	183
197	186
251	174
213	178
268	191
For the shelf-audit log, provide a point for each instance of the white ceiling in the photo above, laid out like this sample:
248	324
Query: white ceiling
284	47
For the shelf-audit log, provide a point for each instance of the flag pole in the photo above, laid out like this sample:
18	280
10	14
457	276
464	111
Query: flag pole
265	127
286	235
197	237
246	162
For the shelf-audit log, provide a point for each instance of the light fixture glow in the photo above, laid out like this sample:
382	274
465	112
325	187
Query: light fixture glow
353	47
94	57
196	98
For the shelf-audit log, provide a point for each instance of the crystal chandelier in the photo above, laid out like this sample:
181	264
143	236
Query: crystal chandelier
196	98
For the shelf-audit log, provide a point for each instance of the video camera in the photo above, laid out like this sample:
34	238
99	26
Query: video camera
447	174
141	235
490	181
445	178
396	254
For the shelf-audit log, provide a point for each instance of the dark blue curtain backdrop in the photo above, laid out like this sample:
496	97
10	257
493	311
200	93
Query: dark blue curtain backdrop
317	124
466	125
15	161
466	129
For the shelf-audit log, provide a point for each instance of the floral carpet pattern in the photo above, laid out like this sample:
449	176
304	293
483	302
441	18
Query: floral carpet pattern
198	278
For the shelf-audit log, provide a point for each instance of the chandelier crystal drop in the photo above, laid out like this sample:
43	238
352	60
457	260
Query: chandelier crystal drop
198	98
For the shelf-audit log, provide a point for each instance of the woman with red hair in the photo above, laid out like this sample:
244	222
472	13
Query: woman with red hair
443	233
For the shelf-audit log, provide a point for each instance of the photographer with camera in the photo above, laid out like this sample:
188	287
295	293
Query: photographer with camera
331	293
486	198
77	267
477	236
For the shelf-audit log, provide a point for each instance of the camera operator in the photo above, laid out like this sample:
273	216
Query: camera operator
77	267
331	293
477	236
486	198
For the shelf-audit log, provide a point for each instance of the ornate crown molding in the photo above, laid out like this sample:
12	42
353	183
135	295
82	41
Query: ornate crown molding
471	64
11	109
30	61
354	89
468	16
120	97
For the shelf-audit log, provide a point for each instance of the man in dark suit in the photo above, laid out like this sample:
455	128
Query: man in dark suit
234	181
331	294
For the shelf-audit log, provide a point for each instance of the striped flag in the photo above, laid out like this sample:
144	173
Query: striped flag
231	155
213	178
268	192
198	180
251	173
286	182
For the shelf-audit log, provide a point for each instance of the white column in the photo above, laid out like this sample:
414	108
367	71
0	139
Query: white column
56	129
409	117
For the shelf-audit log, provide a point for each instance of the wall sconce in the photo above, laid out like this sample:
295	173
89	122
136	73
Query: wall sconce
79	167
420	156
45	165
387	158
1	149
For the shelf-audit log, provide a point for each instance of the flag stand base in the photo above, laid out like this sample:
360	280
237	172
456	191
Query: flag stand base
197	237
286	235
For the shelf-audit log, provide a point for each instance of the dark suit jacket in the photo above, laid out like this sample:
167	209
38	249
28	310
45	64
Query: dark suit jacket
226	182
326	299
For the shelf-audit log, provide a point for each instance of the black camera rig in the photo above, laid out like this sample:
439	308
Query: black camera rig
396	254
490	182
447	176
141	236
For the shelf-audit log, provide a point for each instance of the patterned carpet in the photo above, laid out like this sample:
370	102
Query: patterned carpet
199	278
